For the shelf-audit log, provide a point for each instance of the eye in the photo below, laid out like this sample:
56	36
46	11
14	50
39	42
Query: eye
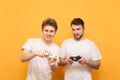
73	29
51	30
78	28
46	30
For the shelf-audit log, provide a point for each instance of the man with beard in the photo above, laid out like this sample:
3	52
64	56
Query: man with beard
79	54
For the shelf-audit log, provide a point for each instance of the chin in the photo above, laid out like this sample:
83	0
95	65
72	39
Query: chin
76	37
48	39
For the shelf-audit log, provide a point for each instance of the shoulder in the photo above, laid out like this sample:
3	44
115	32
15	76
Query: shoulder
68	40
90	42
55	45
32	40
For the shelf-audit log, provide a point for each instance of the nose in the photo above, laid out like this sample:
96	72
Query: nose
75	31
49	33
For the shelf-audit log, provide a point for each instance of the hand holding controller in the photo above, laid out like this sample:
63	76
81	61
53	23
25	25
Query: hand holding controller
75	58
49	55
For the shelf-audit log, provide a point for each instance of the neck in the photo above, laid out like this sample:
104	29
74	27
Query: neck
80	39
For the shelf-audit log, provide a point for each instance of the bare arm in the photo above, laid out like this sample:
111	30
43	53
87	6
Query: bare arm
92	64
27	55
65	61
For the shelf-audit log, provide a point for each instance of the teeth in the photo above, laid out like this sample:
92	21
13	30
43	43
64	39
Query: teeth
47	37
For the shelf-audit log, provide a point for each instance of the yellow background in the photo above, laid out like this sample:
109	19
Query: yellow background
21	19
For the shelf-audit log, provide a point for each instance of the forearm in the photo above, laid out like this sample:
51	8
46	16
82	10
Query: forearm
27	56
65	61
62	63
93	64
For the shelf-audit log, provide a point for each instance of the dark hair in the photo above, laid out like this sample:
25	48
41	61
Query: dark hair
50	22
77	21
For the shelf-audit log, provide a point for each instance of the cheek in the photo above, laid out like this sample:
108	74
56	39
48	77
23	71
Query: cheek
52	34
81	31
43	33
73	32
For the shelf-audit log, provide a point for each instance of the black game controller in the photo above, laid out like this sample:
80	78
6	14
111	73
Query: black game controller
75	58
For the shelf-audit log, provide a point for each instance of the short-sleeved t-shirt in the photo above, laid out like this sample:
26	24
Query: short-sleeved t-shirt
85	48
38	68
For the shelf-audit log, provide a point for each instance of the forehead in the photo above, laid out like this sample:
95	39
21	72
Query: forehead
48	27
76	26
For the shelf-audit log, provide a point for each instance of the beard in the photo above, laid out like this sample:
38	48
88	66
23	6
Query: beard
78	36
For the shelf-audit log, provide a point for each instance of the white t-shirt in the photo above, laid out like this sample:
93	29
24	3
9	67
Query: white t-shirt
38	68
85	48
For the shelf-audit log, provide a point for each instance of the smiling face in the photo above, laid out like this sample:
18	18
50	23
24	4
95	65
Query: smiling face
48	33
77	31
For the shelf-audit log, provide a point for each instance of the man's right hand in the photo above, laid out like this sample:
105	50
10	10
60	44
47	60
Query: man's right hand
68	61
40	53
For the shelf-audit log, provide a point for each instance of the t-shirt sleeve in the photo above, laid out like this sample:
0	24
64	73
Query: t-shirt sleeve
95	53
28	45
57	53
63	50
